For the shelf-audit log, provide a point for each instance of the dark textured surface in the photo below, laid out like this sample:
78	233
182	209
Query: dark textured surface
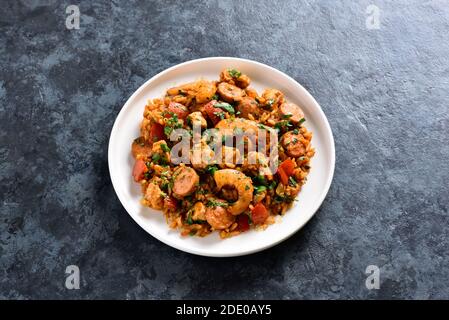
385	93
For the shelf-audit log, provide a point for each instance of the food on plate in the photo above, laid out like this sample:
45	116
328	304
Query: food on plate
219	156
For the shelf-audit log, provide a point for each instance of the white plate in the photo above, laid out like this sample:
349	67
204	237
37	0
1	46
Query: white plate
126	128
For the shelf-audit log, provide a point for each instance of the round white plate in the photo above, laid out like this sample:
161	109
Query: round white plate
126	128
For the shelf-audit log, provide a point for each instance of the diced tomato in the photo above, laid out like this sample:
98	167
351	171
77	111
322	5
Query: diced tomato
243	222
285	170
156	132
283	176
288	166
171	203
139	170
259	213
213	112
180	110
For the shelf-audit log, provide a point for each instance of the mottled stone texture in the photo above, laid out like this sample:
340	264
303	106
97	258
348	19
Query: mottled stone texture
385	93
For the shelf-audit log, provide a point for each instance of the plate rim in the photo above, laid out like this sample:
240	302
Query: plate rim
318	204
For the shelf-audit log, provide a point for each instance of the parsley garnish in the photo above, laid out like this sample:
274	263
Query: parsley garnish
292	182
171	123
189	219
220	114
215	203
156	157
165	148
211	169
262	126
234	73
260	180
281	124
259	189
225	106
270	103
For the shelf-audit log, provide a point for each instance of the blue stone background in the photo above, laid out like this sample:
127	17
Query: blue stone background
385	93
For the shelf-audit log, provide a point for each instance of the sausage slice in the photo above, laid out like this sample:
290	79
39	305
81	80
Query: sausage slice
219	217
293	145
229	92
140	149
292	112
248	106
179	109
185	181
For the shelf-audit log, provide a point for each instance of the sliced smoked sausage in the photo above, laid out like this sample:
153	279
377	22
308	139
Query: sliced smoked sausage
185	181
291	112
140	149
248	106
293	145
179	109
229	92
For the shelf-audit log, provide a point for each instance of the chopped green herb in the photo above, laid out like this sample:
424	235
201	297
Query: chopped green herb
225	106
220	114
190	220
147	175
168	130
165	148
215	203
156	157
247	187
234	73
280	199
296	131
260	189
211	169
260	180
287	116
250	218
270	103
282	124
171	123
262	126
302	121
215	97
164	185
292	182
